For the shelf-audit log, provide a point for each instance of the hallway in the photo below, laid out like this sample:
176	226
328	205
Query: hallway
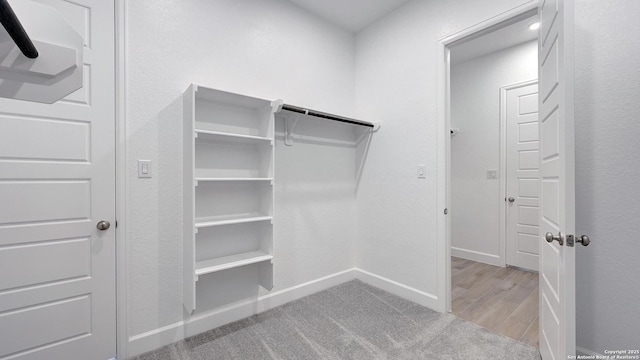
504	300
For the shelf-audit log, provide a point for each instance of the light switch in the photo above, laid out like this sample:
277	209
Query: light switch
492	174
422	172
144	168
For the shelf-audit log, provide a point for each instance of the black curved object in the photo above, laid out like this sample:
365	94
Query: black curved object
14	28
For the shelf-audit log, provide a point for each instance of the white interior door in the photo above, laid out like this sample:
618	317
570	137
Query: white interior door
57	180
523	185
557	200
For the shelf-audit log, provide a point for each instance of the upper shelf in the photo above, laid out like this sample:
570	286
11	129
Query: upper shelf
219	112
208	94
220	136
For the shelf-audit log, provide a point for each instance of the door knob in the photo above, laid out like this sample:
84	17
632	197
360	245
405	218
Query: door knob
103	225
584	239
511	199
550	238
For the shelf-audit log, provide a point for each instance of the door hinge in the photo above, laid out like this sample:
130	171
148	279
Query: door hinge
116	224
446	211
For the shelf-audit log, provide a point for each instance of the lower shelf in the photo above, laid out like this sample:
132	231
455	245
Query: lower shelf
230	262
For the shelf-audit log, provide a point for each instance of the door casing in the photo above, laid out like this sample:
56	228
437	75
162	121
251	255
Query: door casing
443	250
444	139
122	334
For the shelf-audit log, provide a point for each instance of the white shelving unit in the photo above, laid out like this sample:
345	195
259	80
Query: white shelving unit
228	185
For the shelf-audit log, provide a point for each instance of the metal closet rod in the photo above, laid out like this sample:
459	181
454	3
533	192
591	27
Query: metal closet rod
14	28
322	115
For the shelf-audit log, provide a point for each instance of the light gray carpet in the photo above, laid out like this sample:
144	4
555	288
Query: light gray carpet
350	321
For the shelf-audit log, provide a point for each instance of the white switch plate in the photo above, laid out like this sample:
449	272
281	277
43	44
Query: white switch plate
144	168
492	174
422	172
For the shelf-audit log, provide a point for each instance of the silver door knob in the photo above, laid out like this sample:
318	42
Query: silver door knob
511	199
584	239
103	225
550	238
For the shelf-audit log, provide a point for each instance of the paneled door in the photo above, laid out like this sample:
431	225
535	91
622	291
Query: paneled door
57	183
523	185
557	195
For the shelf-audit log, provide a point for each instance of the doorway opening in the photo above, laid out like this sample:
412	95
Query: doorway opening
492	177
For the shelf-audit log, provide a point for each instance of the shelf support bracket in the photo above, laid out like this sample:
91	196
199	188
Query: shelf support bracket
289	125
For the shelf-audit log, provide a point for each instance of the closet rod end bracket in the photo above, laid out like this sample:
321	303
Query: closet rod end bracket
276	105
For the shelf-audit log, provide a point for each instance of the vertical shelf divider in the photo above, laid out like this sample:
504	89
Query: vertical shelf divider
189	229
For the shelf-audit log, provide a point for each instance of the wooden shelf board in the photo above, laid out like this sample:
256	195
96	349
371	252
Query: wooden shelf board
225	97
230	262
231	179
218	220
230	137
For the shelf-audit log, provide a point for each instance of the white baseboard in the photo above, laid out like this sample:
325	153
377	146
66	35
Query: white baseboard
156	338
476	256
141	343
398	289
583	351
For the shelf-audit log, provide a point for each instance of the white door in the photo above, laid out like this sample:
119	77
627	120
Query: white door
557	198
57	180
523	185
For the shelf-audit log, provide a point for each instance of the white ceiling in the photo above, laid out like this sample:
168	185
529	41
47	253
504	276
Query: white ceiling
352	15
503	38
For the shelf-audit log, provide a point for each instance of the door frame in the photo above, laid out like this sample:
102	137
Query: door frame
122	333
503	163
443	141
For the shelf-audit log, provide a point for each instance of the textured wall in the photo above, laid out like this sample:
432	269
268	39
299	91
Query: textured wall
396	83
475	110
607	172
270	49
265	48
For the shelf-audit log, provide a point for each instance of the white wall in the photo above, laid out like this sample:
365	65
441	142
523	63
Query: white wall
475	110
396	69
270	49
607	115
395	83
264	48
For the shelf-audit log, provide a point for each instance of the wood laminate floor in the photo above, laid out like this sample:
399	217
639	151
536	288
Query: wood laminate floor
503	300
